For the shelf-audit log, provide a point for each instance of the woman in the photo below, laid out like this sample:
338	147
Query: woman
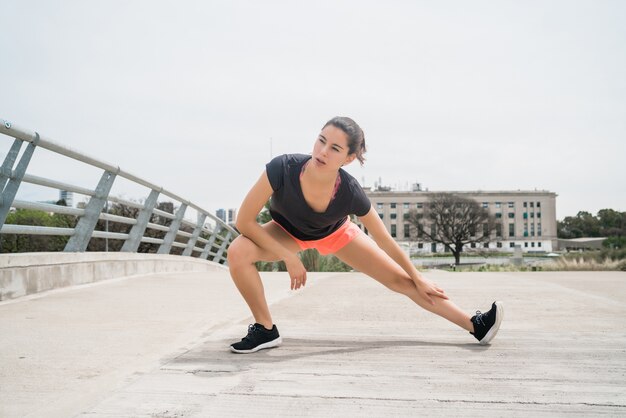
312	198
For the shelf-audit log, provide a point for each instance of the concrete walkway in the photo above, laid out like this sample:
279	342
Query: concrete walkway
156	346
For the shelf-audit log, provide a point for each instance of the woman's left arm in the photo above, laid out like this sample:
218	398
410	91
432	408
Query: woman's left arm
385	241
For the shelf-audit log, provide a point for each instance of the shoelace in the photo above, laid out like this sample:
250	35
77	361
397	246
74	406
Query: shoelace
252	328
479	317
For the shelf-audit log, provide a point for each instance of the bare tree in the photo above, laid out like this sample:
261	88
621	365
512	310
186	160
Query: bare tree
454	221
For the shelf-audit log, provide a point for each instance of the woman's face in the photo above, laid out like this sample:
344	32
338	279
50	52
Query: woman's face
331	149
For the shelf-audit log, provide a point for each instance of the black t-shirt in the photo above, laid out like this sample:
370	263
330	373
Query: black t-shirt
291	211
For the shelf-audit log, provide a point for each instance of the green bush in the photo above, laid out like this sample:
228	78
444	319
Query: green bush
17	243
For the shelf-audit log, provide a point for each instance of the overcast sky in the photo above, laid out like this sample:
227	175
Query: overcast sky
455	95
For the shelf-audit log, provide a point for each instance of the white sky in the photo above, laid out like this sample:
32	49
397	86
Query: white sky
456	95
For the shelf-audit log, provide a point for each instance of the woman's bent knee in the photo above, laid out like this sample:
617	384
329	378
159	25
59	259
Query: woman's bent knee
239	252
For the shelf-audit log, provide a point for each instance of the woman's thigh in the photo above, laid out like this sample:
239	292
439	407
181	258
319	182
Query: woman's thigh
244	247
364	255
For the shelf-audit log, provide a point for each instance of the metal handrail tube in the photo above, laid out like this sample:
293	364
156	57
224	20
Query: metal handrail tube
110	235
29	178
184	234
158	227
163	214
152	240
46	207
179	245
35	230
117	218
202	240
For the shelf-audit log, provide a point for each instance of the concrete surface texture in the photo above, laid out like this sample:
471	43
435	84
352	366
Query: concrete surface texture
156	346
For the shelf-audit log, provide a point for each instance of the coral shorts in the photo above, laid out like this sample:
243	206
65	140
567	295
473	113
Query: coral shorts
333	242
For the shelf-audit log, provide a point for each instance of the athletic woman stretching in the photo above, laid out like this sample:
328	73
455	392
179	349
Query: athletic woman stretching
311	200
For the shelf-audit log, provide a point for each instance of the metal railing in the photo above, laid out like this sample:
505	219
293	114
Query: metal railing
209	240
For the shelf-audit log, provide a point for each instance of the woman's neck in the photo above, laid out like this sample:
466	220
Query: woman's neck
317	176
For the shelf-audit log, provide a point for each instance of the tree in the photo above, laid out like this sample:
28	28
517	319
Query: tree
454	221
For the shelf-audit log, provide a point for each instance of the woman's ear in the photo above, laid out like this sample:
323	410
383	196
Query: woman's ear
350	158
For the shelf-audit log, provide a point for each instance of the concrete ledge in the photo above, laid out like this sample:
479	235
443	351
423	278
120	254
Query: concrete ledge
28	273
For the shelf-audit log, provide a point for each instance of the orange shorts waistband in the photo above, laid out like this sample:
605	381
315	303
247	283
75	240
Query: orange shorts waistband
331	243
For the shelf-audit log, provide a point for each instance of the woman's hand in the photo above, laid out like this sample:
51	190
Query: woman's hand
297	272
426	289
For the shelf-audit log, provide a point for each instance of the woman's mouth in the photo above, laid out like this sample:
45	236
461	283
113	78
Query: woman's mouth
320	162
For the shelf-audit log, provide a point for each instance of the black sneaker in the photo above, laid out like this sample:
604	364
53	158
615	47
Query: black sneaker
257	339
486	324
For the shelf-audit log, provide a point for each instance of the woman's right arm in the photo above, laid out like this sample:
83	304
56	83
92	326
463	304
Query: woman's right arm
248	226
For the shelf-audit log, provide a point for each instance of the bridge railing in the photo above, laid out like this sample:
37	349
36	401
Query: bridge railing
209	239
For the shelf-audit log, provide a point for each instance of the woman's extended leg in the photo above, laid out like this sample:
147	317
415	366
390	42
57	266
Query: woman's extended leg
242	254
364	255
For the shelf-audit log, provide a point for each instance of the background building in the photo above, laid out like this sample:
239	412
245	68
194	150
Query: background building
67	196
229	216
528	218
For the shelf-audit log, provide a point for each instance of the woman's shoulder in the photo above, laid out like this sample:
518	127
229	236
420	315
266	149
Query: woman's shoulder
349	180
291	159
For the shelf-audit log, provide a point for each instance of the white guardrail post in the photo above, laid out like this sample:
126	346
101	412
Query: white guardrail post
134	236
87	223
15	177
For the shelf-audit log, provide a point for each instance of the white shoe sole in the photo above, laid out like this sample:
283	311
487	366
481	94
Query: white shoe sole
496	326
270	344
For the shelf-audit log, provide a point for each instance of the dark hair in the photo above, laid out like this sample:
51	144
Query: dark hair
356	138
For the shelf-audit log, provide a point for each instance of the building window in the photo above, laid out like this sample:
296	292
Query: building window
539	229
381	215
538	244
511	230
419	205
532	214
511	215
379	205
486	245
532	230
498	205
499	245
485	205
420	246
525	245
485	230
511	244
405	216
538	214
405	205
532	204
512	204
538	204
532	244
525	204
473	245
498	215
498	230
393	231
433	230
392	205
393	216
525	215
525	229
407	232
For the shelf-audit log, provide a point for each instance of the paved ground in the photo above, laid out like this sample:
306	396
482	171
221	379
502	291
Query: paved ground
156	346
